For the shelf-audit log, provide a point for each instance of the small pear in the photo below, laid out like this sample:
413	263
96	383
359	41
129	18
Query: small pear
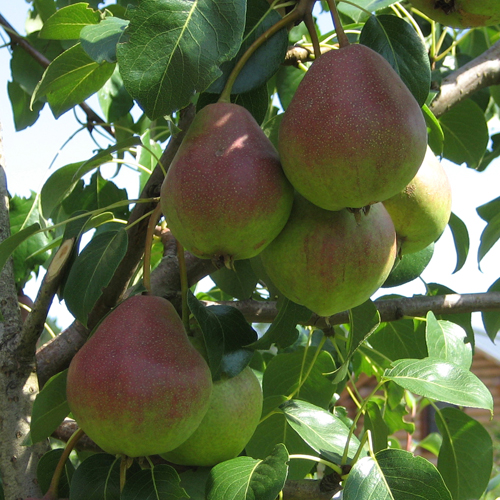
421	211
225	196
331	261
138	387
461	13
353	134
232	417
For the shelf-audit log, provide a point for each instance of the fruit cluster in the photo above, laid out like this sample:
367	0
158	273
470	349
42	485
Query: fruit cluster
352	137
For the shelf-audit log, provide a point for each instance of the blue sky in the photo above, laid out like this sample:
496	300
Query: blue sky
29	154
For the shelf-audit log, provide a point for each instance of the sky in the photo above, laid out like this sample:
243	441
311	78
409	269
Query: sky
29	154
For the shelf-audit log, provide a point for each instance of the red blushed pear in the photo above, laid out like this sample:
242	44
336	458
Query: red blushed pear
225	196
461	13
353	134
421	211
331	261
138	387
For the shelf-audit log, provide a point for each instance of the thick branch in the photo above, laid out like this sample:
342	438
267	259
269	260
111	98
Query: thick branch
481	72
92	117
390	310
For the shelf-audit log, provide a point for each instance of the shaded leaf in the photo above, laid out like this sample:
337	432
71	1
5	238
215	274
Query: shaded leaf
321	430
461	239
357	12
491	319
245	478
489	236
435	134
239	282
24	116
287	81
465	133
71	78
442	381
46	468
99	40
50	408
374	422
172	49
114	99
161	481
92	271
397	41
489	210
67	22
12	242
465	458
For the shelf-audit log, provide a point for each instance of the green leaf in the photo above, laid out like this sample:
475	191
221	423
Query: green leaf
239	282
465	133
489	236
283	331
50	408
99	40
491	319
375	423
114	99
465	458
400	339
395	474
461	239
46	468
97	478
20	100
300	374
442	381
245	478
447	341
435	134
432	442
8	245
71	78
225	333
397	41
489	210
172	49
92	271
321	430
357	12
66	23
161	481
265	61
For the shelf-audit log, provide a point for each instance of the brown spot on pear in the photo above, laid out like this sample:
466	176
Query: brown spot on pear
138	387
329	262
353	133
225	196
421	211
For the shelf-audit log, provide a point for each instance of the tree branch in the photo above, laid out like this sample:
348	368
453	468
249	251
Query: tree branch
481	72
92	117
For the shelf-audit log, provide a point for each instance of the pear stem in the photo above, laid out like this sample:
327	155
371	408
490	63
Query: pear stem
54	482
147	249
184	285
311	28
300	10
341	36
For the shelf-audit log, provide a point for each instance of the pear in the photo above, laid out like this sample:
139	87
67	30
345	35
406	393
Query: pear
225	196
353	134
330	261
421	211
461	13
138	387
232	417
409	267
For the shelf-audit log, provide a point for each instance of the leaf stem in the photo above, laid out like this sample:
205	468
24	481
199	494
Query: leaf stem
300	10
332	466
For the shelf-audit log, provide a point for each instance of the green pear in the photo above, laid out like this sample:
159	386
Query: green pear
225	196
421	211
138	387
232	417
409	267
461	13
331	261
353	134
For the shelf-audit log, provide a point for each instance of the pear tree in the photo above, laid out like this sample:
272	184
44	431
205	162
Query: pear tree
290	151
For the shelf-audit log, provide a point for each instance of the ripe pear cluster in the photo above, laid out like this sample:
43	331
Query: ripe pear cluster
330	212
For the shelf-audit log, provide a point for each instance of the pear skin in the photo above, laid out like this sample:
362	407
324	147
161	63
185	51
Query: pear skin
138	387
353	134
421	211
225	196
331	261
